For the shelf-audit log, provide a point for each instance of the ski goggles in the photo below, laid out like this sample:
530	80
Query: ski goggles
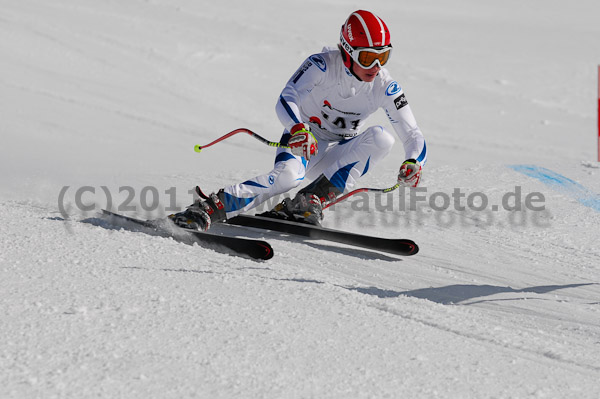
367	57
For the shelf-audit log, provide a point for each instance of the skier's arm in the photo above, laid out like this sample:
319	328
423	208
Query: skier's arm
402	119
288	111
310	74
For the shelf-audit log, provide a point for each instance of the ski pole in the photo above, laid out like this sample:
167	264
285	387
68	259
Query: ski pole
199	147
363	190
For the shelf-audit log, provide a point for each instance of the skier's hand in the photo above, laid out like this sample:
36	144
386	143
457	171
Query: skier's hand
410	173
302	143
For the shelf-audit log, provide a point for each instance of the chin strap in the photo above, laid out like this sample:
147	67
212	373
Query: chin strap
353	74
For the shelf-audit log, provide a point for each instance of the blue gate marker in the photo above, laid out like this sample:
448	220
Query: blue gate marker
561	184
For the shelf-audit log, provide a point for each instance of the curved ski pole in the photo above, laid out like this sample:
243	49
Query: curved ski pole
199	147
362	190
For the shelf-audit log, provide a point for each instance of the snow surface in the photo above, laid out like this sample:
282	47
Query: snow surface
116	93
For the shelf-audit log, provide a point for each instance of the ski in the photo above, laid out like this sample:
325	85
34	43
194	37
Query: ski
255	249
402	247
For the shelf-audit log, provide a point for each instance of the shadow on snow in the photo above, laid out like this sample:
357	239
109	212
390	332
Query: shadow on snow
452	294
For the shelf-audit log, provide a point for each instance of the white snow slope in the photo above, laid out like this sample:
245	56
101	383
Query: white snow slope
109	94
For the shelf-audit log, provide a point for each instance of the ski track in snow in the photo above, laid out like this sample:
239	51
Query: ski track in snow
496	304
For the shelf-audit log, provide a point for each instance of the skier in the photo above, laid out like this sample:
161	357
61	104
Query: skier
323	108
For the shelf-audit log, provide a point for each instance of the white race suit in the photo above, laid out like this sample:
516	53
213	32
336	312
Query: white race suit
324	93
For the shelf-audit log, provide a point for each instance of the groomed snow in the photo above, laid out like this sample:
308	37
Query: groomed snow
105	95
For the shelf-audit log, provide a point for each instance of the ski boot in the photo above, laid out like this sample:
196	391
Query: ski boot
202	213
307	205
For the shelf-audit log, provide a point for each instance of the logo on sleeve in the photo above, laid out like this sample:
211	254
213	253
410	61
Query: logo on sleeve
319	62
301	71
400	101
393	88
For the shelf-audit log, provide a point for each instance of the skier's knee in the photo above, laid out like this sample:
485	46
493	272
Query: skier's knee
289	178
382	138
288	175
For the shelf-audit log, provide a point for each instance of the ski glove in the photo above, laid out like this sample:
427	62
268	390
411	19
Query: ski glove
302	143
410	173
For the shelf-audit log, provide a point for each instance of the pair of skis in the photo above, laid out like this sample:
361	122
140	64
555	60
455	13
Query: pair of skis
254	249
259	249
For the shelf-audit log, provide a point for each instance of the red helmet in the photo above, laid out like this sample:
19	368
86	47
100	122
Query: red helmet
364	30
